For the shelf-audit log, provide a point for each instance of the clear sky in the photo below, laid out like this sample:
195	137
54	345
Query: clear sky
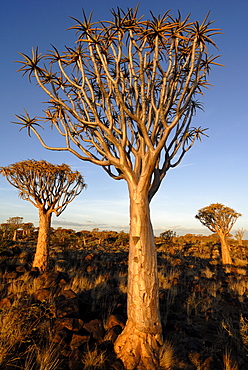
213	171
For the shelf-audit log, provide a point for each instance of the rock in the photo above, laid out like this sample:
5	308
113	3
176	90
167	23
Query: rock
22	269
115	320
68	307
78	339
60	337
6	302
42	295
212	363
51	279
95	328
67	294
70	323
113	333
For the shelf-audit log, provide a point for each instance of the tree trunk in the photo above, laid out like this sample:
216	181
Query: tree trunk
41	257
138	345
14	235
225	251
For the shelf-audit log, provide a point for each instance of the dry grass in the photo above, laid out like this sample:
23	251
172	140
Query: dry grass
122	282
45	357
25	285
239	286
94	360
167	357
80	283
13	331
229	363
243	324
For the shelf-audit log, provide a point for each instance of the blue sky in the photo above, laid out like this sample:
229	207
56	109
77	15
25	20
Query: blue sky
213	171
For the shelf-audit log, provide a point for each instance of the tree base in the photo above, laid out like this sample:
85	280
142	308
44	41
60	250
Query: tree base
138	350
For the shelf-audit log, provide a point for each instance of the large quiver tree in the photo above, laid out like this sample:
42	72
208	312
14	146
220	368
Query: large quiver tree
124	99
219	219
48	187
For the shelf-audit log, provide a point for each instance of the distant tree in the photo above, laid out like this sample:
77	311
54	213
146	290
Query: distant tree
168	235
124	98
219	219
48	187
239	236
64	237
27	228
14	223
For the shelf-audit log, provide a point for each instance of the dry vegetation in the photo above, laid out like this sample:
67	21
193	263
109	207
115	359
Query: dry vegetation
70	317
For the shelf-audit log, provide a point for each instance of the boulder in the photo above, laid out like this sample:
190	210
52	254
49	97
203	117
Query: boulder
115	320
70	323
95	328
80	338
68	307
6	302
112	334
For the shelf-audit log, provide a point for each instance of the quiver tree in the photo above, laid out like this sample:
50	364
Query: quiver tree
239	236
48	187
14	223
219	219
124	98
27	228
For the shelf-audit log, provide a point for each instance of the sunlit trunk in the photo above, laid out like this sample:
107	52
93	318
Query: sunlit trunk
138	345
225	251
14	235
42	249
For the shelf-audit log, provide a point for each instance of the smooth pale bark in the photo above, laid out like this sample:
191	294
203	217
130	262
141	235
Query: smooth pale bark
139	343
225	251
41	258
14	235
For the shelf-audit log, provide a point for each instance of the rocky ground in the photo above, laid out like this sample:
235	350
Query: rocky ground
70	317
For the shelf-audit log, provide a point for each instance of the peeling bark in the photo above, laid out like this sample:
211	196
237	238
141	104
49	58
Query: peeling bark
138	345
41	258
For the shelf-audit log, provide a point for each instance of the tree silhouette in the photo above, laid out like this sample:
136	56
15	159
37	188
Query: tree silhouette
219	219
48	187
124	98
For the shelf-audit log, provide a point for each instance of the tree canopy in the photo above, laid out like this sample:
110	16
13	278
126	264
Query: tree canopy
45	185
218	218
125	95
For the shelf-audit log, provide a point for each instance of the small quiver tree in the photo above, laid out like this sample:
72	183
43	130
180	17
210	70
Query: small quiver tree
219	219
239	234
124	98
48	187
12	225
